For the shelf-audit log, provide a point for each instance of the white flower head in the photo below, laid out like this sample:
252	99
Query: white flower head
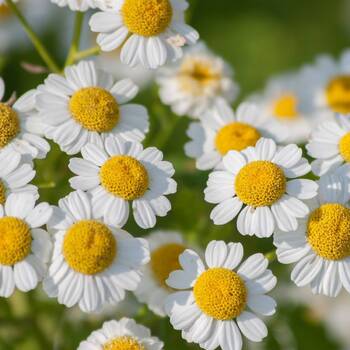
123	334
221	130
320	246
212	307
20	128
93	264
76	5
119	173
193	84
86	105
262	180
25	248
144	31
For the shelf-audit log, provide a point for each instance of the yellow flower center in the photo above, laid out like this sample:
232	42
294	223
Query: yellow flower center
328	231
95	109
2	193
344	147
123	343
220	293
236	137
338	94
147	18
260	183
15	240
286	107
165	260
89	247
125	177
9	124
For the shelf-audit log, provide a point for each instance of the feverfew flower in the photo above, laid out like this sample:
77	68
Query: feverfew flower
93	264
149	32
117	174
76	5
87	105
257	179
25	248
193	84
125	334
212	307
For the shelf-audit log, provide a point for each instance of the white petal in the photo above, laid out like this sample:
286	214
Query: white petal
40	215
306	270
229	336
234	255
254	266
251	326
216	253
25	275
262	304
302	188
226	211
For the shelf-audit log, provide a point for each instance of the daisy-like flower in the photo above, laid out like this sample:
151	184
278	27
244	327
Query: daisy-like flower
25	248
118	173
192	85
257	179
165	248
214	299
221	130
76	5
330	145
20	128
93	263
147	32
87	105
321	244
125	334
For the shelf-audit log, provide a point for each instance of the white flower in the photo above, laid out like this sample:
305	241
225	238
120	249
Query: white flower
330	145
76	5
123	334
118	173
257	179
214	300
145	31
25	248
321	244
165	248
221	130
194	83
93	263
20	127
87	105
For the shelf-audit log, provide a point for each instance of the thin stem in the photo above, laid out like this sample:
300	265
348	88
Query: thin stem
39	46
74	48
92	51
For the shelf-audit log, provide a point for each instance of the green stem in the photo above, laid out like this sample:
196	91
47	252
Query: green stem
74	48
39	46
92	51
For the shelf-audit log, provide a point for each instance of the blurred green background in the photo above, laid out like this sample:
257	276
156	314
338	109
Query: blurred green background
259	39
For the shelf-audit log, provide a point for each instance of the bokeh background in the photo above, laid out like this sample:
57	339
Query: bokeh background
259	38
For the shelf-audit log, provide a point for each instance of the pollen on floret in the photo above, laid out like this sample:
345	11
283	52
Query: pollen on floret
15	240
338	94
89	247
147	18
285	107
9	124
95	109
328	231
165	260
2	193
260	183
123	343
220	293
236	136
125	177
344	147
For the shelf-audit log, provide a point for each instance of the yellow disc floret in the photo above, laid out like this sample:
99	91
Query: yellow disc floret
2	193
338	94
236	136
95	109
286	107
125	177
220	293
9	124
344	147
15	240
89	247
147	18
123	343
328	231
165	260
260	183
